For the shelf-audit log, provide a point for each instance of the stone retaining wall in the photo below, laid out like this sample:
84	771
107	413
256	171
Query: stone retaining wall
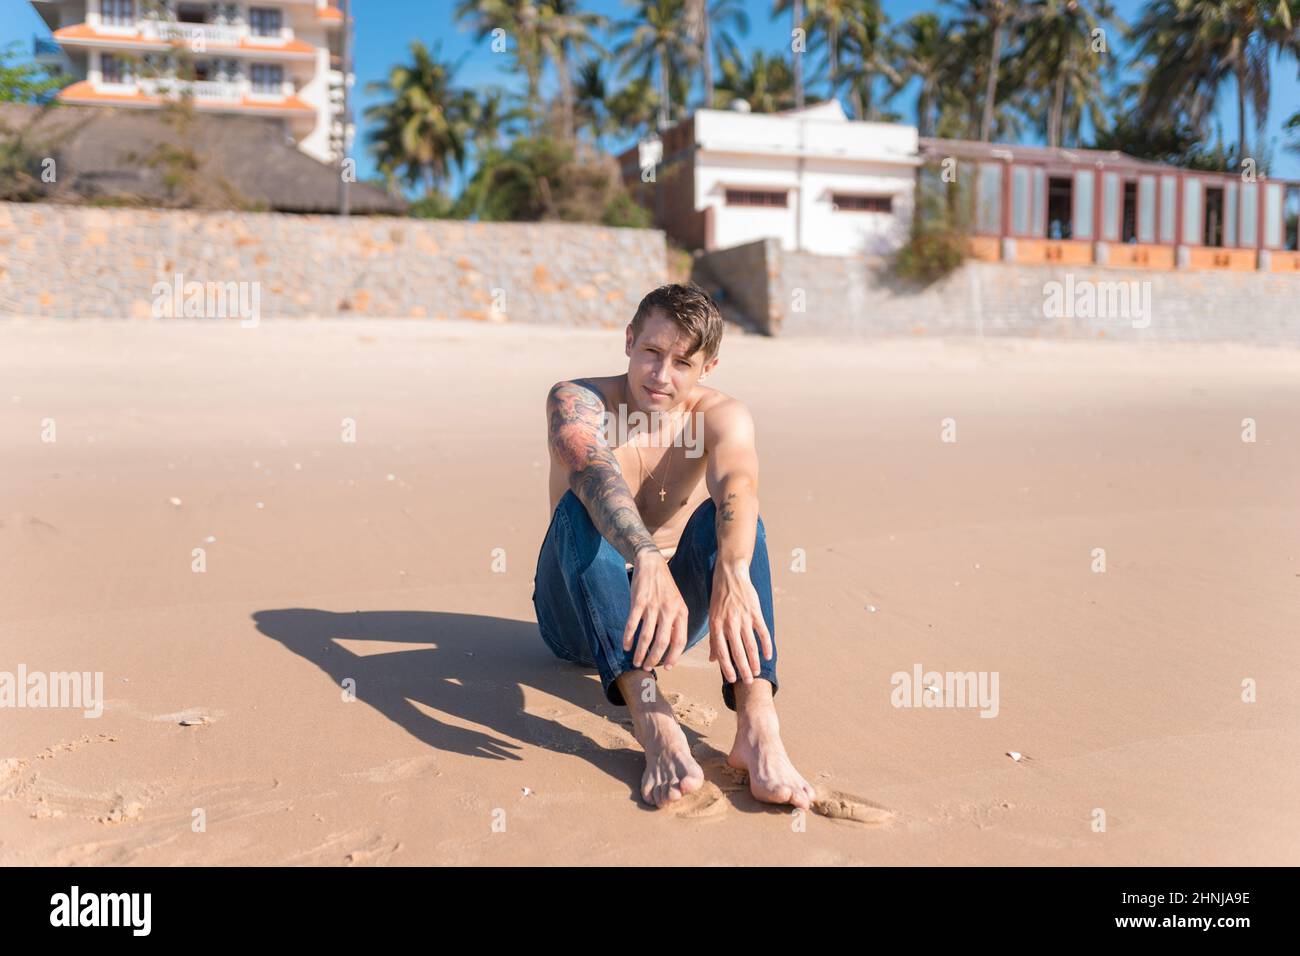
803	294
60	261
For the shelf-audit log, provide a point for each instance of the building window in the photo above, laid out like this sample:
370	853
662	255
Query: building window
844	202
756	197
117	13
1060	207
1292	216
193	13
114	69
1129	221
268	78
264	21
1214	216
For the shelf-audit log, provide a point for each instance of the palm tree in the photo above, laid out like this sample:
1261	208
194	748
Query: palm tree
702	19
766	82
421	129
922	52
797	21
996	18
590	95
1189	48
489	120
518	19
657	46
634	108
868	51
562	29
1060	64
828	22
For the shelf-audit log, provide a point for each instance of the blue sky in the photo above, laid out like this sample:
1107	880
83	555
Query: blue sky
384	29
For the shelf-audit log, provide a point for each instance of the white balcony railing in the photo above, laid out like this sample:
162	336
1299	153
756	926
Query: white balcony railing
201	89
201	35
195	35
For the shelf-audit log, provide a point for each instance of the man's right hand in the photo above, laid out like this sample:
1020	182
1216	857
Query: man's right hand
658	607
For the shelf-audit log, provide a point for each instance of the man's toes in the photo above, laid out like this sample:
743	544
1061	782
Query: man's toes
775	793
692	782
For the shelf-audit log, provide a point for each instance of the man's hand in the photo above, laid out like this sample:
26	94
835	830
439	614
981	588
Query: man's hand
658	607
735	615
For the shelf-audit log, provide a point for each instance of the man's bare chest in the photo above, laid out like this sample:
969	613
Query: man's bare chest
664	481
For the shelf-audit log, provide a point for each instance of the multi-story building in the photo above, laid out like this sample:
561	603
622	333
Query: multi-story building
278	58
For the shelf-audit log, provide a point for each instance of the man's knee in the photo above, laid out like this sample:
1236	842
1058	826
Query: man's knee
590	546
573	508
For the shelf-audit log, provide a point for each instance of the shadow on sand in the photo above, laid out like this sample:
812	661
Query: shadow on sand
472	669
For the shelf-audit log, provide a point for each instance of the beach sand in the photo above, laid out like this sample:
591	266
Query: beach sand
469	743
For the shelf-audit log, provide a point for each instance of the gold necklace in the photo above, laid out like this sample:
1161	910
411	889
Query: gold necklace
663	493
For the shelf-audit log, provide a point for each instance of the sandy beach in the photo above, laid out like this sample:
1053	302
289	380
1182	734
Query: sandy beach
375	561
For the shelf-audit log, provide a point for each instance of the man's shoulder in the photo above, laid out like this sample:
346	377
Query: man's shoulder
602	387
723	414
713	400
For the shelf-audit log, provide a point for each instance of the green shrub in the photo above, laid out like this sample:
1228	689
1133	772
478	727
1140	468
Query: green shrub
930	254
624	211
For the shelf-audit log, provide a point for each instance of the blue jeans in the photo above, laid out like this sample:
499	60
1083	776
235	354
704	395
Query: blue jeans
583	595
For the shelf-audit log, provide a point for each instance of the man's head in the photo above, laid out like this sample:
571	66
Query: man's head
672	340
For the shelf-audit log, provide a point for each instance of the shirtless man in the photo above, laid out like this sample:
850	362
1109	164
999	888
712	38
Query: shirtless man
656	541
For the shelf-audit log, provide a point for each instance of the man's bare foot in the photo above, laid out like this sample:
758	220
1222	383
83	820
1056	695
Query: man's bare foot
758	749
670	770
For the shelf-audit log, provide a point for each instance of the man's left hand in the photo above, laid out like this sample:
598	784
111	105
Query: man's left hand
735	616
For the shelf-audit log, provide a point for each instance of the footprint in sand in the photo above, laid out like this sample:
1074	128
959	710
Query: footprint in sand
692	713
733	779
839	805
835	804
705	803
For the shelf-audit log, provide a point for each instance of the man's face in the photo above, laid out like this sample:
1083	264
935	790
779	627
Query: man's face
660	375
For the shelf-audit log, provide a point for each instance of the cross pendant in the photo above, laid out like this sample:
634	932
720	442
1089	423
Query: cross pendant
662	494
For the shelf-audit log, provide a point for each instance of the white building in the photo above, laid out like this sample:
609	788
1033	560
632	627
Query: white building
812	178
278	58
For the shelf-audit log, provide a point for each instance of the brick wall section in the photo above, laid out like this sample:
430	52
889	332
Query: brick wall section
77	262
846	296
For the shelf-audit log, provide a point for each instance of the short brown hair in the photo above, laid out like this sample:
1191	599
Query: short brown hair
690	309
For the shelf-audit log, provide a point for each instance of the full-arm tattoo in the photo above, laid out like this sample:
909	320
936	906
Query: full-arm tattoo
574	412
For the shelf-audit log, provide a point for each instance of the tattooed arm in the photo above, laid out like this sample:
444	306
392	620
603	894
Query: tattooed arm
574	412
731	475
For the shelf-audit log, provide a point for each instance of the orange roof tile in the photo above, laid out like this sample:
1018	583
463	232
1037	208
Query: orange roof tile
330	13
82	31
288	103
83	92
291	46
